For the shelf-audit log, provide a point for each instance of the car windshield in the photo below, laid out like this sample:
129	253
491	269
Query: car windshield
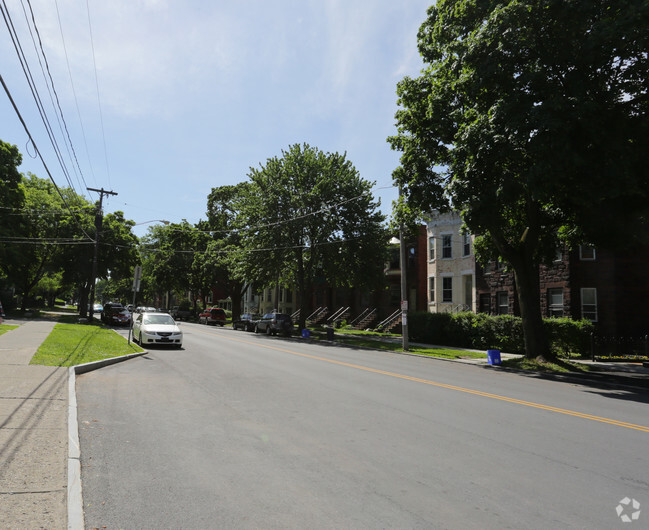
157	319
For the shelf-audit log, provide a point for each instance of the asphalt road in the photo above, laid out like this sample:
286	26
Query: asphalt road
245	431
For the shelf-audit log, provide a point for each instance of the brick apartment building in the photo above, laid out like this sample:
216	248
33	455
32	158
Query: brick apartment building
609	288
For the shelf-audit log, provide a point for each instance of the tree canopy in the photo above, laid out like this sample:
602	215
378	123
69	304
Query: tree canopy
531	118
307	215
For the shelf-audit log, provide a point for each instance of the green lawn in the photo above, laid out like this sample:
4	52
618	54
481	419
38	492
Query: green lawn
559	366
373	340
6	327
72	344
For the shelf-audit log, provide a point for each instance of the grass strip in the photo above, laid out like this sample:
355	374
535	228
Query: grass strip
6	327
445	353
72	344
532	365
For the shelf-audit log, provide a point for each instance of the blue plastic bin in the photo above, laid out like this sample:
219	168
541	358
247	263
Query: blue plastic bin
306	333
493	357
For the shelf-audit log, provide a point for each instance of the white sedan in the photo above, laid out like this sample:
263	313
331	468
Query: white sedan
157	328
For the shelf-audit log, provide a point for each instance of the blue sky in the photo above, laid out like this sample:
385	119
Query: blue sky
193	93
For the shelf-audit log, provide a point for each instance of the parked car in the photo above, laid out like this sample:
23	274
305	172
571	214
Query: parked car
179	314
115	314
109	309
212	315
162	310
246	322
97	308
145	309
274	323
157	328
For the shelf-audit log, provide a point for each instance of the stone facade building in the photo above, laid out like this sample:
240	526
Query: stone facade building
450	264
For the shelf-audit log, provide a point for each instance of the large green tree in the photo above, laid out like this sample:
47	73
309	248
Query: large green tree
168	256
219	263
531	118
307	215
37	236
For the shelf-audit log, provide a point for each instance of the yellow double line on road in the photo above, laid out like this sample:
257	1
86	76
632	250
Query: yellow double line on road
600	419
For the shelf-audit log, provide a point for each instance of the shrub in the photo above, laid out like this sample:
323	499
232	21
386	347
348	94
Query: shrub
504	332
569	337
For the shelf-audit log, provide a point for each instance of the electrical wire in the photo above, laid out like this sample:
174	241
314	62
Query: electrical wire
74	92
56	95
13	103
101	116
32	85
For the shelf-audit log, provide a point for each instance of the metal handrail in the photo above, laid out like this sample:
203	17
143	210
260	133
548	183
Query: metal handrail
390	319
316	313
366	313
338	314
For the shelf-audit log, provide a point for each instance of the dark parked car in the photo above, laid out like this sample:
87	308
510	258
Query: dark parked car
115	314
212	315
247	322
274	323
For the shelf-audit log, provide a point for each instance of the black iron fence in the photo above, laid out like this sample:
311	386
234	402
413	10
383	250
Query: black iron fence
614	348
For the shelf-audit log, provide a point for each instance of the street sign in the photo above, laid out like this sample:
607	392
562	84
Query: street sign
137	277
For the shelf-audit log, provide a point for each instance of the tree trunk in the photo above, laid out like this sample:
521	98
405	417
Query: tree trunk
526	274
83	300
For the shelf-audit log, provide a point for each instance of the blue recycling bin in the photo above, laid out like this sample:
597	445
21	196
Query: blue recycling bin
306	333
493	357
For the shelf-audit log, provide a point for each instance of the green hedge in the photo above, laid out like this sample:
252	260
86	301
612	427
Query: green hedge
503	332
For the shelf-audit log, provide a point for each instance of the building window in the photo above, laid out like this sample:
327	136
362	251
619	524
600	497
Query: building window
589	303
431	248
447	289
446	247
586	253
503	303
466	244
485	303
431	289
555	302
289	296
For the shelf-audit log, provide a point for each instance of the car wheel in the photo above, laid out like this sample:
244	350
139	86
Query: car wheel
256	329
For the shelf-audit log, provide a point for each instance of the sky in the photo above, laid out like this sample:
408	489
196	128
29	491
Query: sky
164	100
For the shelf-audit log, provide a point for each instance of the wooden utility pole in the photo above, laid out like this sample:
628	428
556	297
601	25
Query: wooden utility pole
99	216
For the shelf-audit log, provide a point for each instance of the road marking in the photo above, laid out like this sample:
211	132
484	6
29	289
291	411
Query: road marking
549	408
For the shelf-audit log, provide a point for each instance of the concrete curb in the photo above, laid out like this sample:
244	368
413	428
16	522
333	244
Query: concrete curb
75	497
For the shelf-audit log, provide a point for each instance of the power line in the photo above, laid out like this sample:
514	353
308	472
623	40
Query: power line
13	103
58	103
32	85
101	116
74	92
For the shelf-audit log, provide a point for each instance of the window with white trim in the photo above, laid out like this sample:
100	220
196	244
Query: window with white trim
431	248
555	302
447	251
502	299
431	289
589	303
447	289
466	244
586	253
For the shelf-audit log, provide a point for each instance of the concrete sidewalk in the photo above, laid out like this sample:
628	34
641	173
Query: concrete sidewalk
33	432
